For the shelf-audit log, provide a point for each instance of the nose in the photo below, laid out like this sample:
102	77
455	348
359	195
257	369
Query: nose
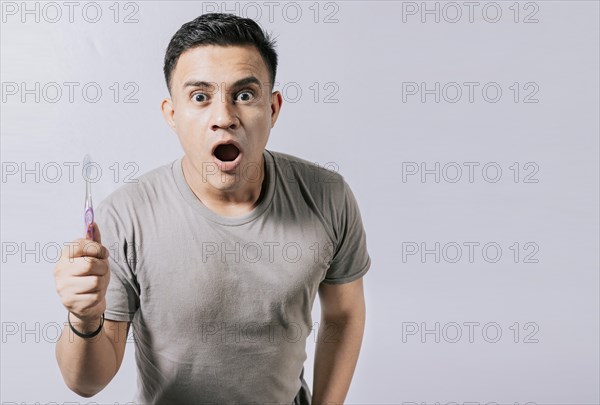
223	115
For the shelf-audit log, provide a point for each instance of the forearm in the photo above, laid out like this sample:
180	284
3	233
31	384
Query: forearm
336	355
87	365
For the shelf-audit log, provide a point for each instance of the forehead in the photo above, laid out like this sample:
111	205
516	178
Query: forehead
219	64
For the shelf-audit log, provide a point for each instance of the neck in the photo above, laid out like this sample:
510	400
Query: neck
241	197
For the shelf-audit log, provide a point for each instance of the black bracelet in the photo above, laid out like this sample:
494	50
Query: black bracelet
86	335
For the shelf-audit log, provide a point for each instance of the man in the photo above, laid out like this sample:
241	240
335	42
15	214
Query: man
216	258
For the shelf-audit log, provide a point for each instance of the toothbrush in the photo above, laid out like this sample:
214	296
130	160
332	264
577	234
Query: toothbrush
88	209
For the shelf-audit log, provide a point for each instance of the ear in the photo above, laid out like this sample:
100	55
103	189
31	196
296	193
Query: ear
168	112
276	102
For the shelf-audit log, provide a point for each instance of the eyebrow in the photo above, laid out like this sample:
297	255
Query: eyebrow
239	83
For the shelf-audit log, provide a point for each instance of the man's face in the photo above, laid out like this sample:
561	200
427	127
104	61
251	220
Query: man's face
222	94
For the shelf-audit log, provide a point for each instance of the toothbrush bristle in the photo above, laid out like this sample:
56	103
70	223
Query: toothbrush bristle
87	159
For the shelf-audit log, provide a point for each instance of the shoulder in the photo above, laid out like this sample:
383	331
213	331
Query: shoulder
138	192
319	177
320	186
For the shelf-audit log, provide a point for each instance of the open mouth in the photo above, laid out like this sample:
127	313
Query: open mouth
227	152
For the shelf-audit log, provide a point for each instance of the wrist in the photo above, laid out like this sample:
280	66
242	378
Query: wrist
85	327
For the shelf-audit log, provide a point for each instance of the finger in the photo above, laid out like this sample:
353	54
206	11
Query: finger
88	285
94	249
75	286
84	248
95	231
87	266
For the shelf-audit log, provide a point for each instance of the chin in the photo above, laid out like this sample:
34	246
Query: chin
224	181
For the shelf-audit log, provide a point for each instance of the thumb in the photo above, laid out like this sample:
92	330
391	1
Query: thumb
93	233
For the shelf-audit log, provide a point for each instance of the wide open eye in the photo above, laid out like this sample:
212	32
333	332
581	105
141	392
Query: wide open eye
246	95
199	97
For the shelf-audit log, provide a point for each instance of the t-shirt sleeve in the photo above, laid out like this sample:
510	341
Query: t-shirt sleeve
350	259
123	292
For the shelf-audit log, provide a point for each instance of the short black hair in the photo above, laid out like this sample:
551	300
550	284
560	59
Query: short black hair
223	30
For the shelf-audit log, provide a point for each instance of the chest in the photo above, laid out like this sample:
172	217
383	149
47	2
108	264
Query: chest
204	273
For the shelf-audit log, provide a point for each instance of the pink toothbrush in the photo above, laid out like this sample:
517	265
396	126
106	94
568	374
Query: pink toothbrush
88	210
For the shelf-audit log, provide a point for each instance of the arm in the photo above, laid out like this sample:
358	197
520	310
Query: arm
88	365
82	276
341	331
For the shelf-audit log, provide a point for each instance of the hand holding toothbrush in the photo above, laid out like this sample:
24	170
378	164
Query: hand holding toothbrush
82	274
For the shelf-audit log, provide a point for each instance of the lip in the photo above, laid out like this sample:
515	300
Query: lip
227	166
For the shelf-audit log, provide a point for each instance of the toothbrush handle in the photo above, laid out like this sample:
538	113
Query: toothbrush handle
89	220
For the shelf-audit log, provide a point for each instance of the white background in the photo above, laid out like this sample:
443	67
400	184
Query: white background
364	56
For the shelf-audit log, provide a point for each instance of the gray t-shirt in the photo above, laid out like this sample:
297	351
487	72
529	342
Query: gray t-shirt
221	306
